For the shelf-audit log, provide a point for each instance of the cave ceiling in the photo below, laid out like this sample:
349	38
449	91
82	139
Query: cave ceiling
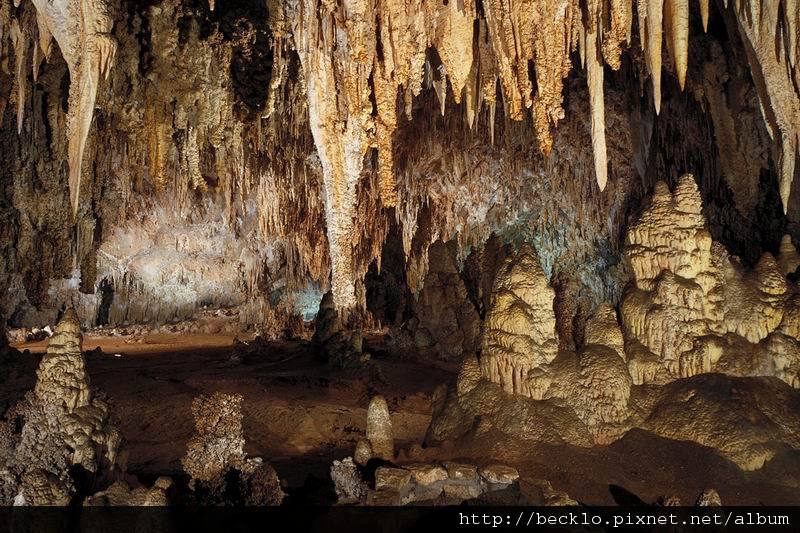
294	134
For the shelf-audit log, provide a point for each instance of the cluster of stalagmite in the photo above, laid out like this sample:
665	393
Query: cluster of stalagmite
594	382
691	311
694	308
65	424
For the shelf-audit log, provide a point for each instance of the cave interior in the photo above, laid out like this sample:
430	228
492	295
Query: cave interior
386	252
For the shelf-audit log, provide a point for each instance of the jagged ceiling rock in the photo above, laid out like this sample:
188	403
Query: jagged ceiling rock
302	166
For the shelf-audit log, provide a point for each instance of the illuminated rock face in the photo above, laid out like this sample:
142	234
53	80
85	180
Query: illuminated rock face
695	309
520	326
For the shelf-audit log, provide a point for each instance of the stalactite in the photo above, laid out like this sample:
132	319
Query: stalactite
676	21
19	38
704	13
620	19
82	29
775	78
594	75
651	36
358	61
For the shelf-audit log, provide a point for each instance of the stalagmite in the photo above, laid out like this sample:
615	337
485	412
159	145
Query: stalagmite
66	424
694	309
788	257
520	325
379	429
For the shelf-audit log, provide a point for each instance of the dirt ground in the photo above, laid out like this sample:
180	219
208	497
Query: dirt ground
300	415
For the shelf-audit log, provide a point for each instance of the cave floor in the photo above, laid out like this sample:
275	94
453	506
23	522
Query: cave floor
300	415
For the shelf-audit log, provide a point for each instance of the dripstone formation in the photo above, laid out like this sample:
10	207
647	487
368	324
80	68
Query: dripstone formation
522	224
691	311
65	424
269	164
220	471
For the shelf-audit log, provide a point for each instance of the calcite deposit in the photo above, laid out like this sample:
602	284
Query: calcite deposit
520	328
221	472
694	308
249	118
692	311
64	424
379	429
218	442
513	227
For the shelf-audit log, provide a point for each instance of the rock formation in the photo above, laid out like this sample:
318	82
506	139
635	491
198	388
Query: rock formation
692	311
709	498
446	325
163	159
336	344
121	494
220	471
748	420
520	326
379	429
450	483
693	307
249	119
348	483
218	442
65	423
